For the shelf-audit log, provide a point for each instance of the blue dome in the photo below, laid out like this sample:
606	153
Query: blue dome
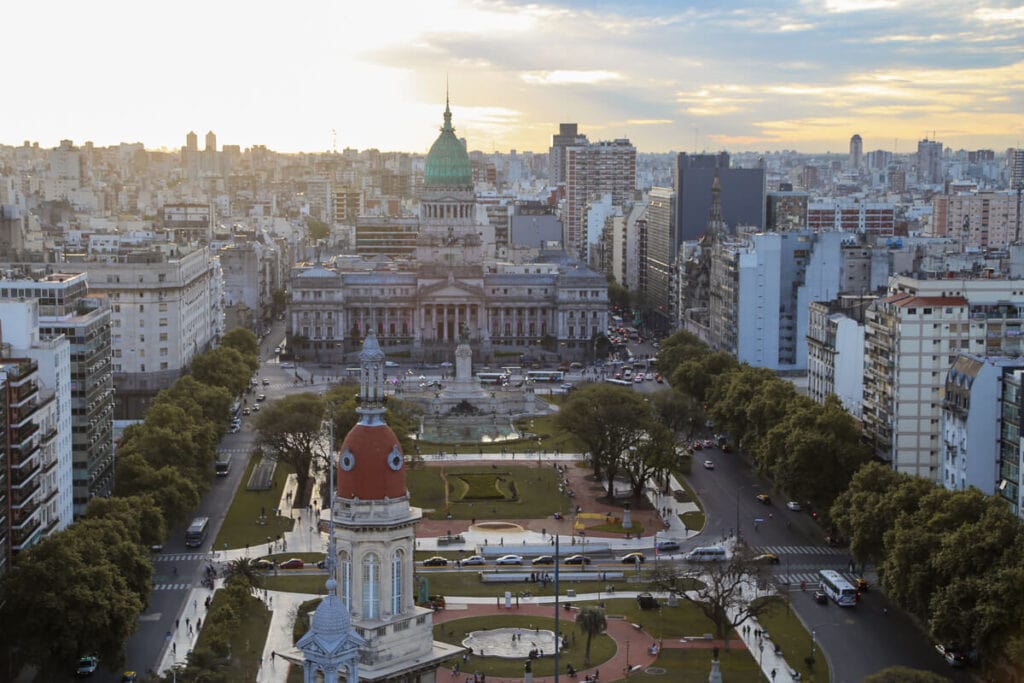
447	162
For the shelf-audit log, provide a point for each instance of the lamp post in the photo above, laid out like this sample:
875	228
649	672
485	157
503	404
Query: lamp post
811	658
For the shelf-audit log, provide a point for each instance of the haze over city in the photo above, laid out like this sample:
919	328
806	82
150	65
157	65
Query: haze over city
668	75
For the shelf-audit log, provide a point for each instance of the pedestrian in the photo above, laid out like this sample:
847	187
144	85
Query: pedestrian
773	674
177	623
199	624
174	648
273	655
195	605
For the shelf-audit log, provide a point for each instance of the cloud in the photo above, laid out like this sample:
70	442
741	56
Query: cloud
649	122
1000	15
564	77
844	6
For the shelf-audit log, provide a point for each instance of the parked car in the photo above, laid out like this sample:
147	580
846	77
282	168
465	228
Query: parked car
436	561
129	677
509	559
955	656
709	464
287	366
668	546
277	349
566	386
764	498
294	563
87	666
256	408
261	398
794	506
235	428
697	445
632	558
266	382
473	560
708	443
543	559
576	559
263	564
246	411
766	558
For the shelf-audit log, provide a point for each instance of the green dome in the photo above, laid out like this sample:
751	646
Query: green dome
447	162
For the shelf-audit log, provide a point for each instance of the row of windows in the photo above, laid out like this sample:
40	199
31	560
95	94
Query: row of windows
371	583
142	307
142	367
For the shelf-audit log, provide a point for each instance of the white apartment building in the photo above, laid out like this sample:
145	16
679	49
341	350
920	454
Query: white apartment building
21	339
977	219
835	351
912	337
166	308
971	422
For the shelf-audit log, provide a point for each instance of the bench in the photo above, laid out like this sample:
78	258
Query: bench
451	540
524	577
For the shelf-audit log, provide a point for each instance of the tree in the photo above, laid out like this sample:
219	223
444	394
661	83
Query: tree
169	437
720	597
677	349
876	497
66	596
243	571
243	341
141	517
224	367
200	401
176	495
654	457
697	375
618	296
678	411
592	622
610	420
318	230
289	430
903	674
729	400
403	416
278	301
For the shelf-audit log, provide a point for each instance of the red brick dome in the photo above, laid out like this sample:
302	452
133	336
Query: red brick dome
371	465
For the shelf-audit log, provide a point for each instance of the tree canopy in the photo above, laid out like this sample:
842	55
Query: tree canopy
289	429
243	341
225	367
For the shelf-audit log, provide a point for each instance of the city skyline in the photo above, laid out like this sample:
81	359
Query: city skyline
671	76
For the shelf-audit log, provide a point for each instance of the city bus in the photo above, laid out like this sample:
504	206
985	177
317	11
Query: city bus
545	375
223	464
498	378
620	382
196	533
512	370
836	587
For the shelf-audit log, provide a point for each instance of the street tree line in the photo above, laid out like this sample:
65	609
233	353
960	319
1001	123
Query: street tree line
81	591
953	559
809	450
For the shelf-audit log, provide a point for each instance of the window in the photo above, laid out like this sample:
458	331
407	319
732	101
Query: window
163	366
371	587
396	582
163	322
163	336
344	578
163	308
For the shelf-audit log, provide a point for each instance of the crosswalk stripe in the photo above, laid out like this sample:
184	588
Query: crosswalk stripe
800	550
179	557
171	587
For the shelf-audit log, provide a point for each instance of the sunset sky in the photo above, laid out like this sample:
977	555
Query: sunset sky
668	75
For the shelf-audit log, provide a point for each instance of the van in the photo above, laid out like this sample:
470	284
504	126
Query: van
706	554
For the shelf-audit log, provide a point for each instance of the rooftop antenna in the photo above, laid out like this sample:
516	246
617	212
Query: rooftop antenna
334	140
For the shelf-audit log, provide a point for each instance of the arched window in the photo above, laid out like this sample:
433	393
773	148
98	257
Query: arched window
345	579
397	561
371	586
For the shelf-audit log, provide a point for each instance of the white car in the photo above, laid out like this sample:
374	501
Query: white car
509	559
793	505
473	560
390	364
709	464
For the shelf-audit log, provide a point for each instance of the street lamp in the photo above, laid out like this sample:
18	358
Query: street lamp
810	660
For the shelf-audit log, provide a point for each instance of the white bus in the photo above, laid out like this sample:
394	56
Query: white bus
836	587
620	382
196	532
499	378
545	375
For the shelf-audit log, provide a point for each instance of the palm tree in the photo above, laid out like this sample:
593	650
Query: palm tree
243	570
592	622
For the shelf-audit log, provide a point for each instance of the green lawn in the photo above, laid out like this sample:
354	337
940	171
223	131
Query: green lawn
693	666
247	639
602	648
242	527
537	488
666	622
789	633
694	520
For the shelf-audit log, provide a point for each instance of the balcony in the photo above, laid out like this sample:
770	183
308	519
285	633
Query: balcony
23	493
20	435
22	538
24	393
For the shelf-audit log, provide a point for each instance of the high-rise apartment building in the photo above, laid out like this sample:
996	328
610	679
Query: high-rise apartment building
1011	458
912	337
835	350
22	472
977	219
785	211
742	194
856	152
929	162
594	169
567	136
67	310
661	251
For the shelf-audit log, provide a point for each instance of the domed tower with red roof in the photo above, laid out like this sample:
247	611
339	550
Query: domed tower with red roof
374	536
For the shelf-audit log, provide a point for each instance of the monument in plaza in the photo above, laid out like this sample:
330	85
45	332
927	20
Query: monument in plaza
464	411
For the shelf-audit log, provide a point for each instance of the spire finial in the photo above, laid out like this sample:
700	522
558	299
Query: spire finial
447	107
